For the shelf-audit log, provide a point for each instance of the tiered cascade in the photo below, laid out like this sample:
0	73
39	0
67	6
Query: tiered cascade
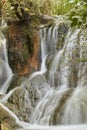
57	94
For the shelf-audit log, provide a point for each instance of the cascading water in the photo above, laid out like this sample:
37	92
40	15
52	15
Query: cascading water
48	40
5	70
42	34
65	66
58	96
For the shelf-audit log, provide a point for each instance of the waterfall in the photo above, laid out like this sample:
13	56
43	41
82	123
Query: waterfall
68	99
54	67
5	70
57	93
43	49
48	39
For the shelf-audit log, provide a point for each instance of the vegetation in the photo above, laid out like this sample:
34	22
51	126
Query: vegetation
78	14
75	10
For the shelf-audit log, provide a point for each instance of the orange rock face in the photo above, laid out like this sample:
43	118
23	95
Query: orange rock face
23	49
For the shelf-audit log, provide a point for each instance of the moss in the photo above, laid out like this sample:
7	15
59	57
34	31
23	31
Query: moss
34	21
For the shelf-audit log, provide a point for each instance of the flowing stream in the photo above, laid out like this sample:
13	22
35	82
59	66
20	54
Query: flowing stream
59	95
5	70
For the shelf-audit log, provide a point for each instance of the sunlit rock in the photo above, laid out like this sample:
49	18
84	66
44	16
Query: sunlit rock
8	118
20	104
3	127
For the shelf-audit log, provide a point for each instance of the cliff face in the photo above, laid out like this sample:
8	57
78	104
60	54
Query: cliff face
23	48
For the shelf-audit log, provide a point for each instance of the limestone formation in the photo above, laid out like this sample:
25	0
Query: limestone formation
20	104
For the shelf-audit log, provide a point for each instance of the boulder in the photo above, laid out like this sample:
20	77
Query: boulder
23	48
18	102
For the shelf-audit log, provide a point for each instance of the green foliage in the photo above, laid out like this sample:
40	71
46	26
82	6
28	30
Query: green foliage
7	11
76	10
78	15
82	60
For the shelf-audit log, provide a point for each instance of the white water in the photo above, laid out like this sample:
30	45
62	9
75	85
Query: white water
75	111
48	40
73	102
54	68
5	70
75	108
26	126
46	107
42	34
72	127
70	58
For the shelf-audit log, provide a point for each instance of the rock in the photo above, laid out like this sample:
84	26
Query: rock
17	81
62	31
56	115
3	127
62	26
37	88
20	104
23	48
7	117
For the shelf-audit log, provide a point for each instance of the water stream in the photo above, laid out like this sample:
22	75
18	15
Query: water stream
5	70
60	90
48	39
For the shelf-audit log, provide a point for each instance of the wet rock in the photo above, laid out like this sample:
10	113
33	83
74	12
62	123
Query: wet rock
17	81
62	31
56	115
62	26
8	119
23	48
20	104
37	88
